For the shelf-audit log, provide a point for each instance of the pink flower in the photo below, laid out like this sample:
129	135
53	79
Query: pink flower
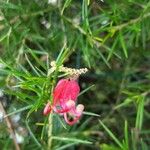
64	101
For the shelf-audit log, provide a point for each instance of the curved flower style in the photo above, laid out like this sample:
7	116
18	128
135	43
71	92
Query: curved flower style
64	98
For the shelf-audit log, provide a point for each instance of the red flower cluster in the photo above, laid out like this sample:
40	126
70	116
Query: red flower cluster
64	98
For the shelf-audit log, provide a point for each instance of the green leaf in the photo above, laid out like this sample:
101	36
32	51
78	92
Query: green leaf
32	135
111	135
69	139
8	5
2	37
18	110
108	147
126	135
140	112
125	103
123	44
64	147
66	4
33	68
91	114
85	90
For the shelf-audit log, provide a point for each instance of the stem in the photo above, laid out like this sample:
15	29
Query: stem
50	127
133	21
9	127
50	119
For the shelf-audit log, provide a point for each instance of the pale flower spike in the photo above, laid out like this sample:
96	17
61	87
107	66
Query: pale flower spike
70	71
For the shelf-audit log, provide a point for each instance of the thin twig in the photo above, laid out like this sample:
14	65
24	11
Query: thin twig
115	28
9	127
133	21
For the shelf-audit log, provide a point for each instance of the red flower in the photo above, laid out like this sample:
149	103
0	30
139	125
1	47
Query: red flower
64	98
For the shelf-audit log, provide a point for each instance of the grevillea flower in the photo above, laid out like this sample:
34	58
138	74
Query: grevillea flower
64	101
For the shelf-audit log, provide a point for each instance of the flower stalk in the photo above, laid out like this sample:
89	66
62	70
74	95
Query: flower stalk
50	128
63	97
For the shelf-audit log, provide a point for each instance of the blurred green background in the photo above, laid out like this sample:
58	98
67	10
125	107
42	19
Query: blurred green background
111	38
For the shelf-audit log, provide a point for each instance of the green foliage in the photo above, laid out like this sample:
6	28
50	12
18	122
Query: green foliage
111	38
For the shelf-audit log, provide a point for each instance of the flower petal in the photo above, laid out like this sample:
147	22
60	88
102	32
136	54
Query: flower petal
70	122
75	113
47	109
66	89
65	107
79	109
